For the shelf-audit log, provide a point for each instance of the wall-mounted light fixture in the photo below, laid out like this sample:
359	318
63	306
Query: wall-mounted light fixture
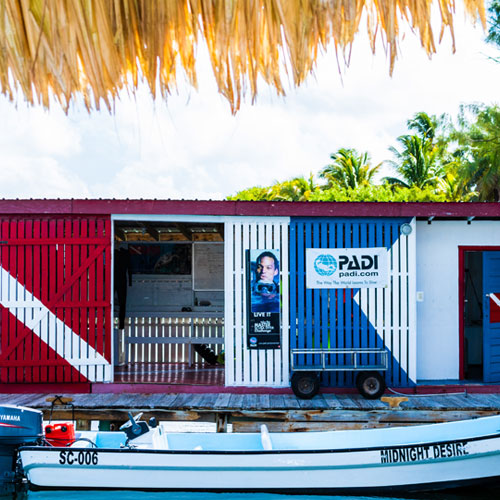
405	229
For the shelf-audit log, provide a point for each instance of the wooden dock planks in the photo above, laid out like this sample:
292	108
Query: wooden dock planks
281	412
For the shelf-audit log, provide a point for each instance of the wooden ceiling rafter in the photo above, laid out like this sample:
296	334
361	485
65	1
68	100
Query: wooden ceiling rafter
152	231
63	51
184	230
120	234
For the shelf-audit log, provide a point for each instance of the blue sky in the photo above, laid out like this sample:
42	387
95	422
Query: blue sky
192	147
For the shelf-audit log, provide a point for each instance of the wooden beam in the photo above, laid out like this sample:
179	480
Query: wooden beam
155	234
117	415
184	229
120	233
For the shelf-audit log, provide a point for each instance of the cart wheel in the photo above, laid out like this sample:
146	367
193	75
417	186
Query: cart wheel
371	385
305	385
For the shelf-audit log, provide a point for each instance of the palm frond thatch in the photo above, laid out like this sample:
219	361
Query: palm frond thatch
97	47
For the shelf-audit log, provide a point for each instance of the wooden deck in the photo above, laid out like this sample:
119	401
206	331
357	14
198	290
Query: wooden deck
281	412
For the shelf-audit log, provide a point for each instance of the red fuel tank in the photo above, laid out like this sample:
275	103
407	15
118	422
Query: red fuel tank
60	434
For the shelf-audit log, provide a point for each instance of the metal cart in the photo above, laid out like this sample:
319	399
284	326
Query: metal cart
308	363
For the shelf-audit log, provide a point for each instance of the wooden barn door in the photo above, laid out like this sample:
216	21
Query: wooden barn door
55	300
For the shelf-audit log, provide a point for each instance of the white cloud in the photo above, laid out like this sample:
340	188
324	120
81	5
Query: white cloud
43	177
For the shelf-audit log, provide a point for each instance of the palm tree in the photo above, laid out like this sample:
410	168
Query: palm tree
416	163
424	155
349	169
424	125
479	145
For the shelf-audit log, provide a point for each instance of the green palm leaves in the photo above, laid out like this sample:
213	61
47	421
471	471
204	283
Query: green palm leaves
349	169
436	161
478	138
420	157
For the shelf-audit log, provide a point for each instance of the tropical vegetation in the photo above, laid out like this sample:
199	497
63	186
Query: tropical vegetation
438	159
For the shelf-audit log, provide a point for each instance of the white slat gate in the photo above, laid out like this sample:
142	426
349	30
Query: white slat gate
244	367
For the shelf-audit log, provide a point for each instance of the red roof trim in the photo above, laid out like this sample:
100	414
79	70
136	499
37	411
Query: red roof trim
249	208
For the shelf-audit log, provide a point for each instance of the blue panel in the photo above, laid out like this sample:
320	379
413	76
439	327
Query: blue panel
366	340
341	231
300	289
331	377
332	317
309	311
491	331
316	305
324	295
356	326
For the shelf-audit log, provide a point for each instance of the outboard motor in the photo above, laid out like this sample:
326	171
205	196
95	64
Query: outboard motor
18	426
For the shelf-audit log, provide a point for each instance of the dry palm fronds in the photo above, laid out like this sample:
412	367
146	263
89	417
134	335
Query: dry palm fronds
94	48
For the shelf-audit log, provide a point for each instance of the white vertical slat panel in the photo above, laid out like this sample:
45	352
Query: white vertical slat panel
396	317
386	306
242	368
165	348
363	300
412	302
238	301
373	318
403	295
282	370
266	367
256	231
379	312
256	367
155	333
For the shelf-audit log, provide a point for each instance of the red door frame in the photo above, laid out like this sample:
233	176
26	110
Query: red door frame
461	299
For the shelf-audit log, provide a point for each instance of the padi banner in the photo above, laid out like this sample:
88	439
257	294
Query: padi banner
263	280
347	268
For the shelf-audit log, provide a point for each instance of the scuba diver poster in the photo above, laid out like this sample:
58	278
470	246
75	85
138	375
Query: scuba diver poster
264	319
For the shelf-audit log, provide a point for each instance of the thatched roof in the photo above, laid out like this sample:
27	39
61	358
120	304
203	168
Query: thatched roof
97	47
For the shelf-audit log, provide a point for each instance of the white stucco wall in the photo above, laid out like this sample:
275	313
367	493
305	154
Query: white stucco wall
437	277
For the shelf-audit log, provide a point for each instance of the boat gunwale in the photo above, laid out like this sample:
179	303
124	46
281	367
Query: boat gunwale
433	487
258	452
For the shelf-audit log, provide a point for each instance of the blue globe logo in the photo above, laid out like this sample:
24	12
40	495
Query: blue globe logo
325	265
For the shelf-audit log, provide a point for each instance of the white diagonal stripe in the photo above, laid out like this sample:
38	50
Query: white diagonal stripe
360	298
495	299
50	329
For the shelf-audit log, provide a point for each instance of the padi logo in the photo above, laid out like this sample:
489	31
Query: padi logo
347	267
325	265
10	418
364	265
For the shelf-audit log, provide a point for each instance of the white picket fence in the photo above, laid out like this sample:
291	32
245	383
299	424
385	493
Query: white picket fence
162	338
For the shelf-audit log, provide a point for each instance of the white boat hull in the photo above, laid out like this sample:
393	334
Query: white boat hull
427	465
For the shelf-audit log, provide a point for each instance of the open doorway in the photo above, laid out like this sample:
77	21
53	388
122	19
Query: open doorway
473	316
169	302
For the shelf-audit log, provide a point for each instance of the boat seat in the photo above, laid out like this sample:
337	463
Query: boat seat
265	438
